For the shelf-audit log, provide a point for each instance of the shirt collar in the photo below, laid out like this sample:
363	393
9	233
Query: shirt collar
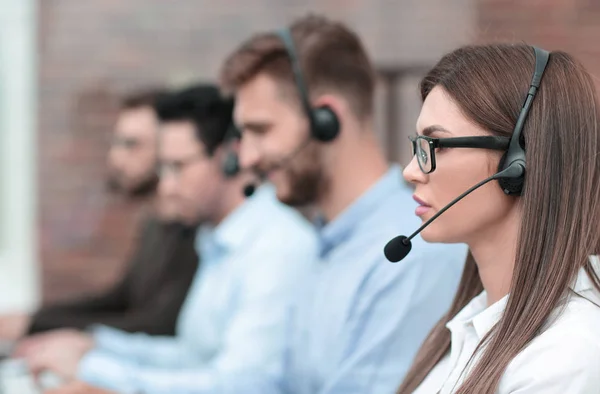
583	282
487	318
335	232
484	318
478	314
234	230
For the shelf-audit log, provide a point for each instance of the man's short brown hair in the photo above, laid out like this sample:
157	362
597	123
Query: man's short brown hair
331	56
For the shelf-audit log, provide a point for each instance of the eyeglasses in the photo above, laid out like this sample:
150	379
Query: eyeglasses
177	167
128	143
424	147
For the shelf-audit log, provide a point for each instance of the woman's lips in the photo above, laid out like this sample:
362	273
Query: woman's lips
423	207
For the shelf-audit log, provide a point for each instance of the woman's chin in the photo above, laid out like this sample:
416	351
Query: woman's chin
435	235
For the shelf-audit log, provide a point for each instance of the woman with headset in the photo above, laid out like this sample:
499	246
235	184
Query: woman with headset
526	318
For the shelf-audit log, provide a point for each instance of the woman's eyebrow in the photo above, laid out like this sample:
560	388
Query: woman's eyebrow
427	131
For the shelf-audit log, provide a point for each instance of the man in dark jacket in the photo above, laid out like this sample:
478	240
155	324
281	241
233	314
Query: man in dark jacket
149	296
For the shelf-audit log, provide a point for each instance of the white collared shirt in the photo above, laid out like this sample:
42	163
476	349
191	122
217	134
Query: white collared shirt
563	359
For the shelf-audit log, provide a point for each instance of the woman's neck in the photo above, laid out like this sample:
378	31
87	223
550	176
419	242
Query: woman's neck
494	252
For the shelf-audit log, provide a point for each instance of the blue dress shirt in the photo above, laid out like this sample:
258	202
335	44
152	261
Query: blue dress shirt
231	328
360	319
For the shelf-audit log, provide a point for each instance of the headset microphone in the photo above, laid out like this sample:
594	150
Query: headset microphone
251	187
397	249
249	190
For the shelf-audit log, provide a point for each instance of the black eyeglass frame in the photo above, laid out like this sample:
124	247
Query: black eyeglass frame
478	142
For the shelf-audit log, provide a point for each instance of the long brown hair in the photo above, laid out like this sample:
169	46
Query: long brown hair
560	202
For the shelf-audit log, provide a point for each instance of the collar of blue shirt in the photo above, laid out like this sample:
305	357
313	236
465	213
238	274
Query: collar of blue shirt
234	230
335	232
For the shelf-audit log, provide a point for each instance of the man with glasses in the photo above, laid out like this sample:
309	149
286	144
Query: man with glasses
132	156
163	254
230	328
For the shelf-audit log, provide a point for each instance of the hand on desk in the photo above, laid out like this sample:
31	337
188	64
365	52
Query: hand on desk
78	388
14	326
58	351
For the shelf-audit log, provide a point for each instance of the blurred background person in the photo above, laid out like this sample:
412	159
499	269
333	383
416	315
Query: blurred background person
132	156
232	325
153	288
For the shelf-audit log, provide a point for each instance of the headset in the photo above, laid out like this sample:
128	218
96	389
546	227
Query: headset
231	163
324	123
515	155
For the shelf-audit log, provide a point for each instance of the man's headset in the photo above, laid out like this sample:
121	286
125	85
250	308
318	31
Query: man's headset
324	123
511	169
231	164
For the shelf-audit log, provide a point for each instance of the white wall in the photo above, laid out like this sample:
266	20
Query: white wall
18	244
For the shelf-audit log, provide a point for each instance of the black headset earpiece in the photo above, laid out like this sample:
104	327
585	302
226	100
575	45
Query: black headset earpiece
515	155
324	123
231	163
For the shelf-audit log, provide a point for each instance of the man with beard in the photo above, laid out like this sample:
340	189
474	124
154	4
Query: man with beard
231	327
304	106
132	155
151	292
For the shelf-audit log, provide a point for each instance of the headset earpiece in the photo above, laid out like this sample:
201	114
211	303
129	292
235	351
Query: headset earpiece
324	123
231	164
510	186
515	155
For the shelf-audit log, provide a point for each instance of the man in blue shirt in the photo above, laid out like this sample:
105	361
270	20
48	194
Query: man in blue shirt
304	106
231	326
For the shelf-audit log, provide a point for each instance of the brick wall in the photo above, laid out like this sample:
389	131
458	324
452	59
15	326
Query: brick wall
90	51
569	25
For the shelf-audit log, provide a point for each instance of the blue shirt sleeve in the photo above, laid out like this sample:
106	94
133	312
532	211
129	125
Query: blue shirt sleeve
129	378
250	359
142	348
